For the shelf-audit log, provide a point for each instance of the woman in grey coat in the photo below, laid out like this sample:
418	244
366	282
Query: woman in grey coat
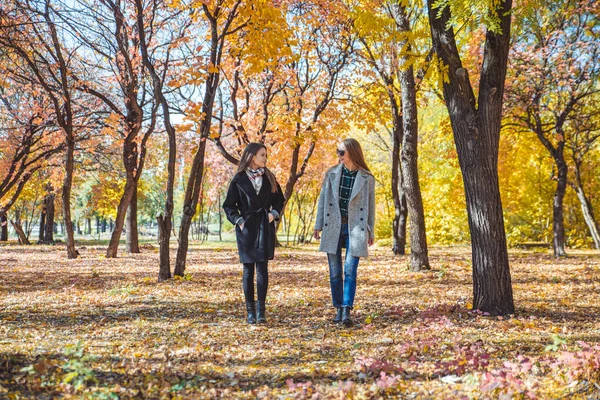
345	219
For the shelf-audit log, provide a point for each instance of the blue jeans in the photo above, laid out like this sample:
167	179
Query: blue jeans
342	277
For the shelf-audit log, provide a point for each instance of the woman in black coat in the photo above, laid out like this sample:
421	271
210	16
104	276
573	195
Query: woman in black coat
254	200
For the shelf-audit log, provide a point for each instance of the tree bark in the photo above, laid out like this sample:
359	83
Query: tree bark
476	135
131	236
400	208
558	224
42	221
3	228
49	227
419	258
66	198
130	157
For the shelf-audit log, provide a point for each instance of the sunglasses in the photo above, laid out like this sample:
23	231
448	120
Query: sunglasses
340	152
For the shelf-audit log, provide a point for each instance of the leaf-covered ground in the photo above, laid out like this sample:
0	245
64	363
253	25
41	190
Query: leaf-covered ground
103	328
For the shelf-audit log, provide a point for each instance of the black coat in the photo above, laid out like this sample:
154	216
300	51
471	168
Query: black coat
256	242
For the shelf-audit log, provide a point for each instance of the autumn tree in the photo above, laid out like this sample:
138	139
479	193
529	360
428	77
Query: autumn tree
476	125
389	41
44	59
221	19
28	139
288	94
555	67
160	31
115	75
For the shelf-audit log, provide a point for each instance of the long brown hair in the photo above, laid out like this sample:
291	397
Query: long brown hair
356	154
250	151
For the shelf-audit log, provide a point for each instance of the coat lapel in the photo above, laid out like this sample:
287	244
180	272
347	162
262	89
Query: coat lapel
335	177
246	186
358	184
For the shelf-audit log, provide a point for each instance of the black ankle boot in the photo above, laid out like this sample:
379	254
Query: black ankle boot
338	316
346	320
250	308
260	312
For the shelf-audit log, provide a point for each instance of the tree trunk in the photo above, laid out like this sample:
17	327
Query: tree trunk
20	232
130	158
400	209
586	207
3	228
220	219
42	221
98	225
189	207
476	135
66	199
558	224
131	236
194	183
419	258
588	216
49	231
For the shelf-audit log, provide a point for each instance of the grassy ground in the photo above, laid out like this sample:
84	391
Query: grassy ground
103	328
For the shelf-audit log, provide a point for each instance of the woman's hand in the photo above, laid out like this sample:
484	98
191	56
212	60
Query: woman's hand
317	234
371	241
271	218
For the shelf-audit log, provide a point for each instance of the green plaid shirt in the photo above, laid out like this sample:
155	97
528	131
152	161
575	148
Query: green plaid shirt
346	184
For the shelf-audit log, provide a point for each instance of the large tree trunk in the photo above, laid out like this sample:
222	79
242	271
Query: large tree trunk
476	135
419	258
49	227
3	227
398	195
131	236
66	199
558	224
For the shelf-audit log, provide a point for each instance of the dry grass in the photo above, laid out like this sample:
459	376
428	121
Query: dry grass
103	328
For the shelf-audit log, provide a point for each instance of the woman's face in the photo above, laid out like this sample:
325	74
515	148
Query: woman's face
259	160
342	154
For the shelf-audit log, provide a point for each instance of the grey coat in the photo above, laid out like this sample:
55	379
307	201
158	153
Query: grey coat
361	212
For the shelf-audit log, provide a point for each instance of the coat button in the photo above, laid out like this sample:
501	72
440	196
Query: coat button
331	205
328	215
362	219
361	209
363	229
326	225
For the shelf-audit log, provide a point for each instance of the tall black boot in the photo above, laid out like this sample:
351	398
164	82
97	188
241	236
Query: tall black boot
250	308
338	316
260	312
346	320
